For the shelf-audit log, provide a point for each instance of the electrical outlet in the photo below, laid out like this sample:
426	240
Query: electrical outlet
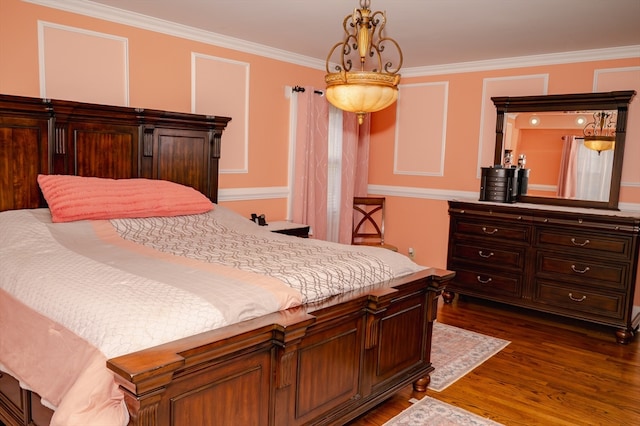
412	252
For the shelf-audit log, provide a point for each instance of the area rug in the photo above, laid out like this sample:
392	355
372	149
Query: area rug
431	412
455	352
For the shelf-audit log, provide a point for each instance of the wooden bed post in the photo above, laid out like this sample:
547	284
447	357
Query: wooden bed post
143	390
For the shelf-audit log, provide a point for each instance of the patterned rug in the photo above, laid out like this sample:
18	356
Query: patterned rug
455	352
431	412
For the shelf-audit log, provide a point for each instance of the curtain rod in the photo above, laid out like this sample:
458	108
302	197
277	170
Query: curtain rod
302	89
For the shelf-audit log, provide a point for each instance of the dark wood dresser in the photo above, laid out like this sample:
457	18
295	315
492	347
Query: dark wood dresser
579	263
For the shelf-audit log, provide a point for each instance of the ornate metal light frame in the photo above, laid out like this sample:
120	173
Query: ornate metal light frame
373	86
600	134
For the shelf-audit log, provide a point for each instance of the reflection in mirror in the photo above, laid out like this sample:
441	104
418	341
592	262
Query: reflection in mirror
546	135
561	163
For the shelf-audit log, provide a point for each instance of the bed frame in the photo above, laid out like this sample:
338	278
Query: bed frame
322	363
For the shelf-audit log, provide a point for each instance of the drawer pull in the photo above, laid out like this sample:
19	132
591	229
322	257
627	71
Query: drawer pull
575	243
575	299
486	256
484	229
579	271
480	280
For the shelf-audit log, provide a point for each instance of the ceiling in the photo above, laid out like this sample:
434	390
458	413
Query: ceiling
430	32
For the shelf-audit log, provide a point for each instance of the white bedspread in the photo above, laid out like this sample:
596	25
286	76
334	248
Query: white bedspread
129	284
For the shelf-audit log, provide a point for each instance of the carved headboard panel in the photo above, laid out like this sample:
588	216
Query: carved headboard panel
64	137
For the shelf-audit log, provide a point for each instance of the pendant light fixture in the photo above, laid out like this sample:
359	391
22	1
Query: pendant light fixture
362	81
600	134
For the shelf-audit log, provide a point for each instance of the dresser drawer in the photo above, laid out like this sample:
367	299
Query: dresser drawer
493	230
493	255
579	301
585	243
473	283
582	270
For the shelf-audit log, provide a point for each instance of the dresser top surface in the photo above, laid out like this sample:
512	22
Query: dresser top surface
542	208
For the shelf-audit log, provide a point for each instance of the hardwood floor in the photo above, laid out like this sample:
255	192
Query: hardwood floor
554	372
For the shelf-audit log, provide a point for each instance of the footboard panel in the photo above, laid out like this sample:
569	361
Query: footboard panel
403	338
244	383
394	346
328	376
19	406
225	376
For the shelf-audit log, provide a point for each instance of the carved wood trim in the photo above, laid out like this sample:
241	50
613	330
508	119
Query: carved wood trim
286	370
59	140
373	330
147	141
146	417
216	139
144	411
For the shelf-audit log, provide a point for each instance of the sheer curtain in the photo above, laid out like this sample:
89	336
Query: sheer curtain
594	174
354	171
585	174
330	165
568	176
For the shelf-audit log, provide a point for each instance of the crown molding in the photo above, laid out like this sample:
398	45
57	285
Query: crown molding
623	52
137	20
108	13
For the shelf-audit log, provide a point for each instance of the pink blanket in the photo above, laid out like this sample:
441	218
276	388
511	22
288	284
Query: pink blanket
72	378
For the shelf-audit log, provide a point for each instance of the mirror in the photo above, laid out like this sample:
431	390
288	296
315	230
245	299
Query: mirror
547	134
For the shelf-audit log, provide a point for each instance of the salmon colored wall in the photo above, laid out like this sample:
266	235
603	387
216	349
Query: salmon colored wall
543	148
465	98
273	209
98	74
159	67
160	78
422	224
426	226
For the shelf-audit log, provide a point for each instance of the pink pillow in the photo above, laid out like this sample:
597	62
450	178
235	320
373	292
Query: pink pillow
73	198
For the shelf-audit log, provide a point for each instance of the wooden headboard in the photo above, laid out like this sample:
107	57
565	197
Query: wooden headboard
42	136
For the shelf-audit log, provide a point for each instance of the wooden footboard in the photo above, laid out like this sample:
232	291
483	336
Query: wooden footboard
319	364
20	407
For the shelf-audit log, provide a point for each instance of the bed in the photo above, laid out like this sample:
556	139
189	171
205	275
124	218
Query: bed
106	319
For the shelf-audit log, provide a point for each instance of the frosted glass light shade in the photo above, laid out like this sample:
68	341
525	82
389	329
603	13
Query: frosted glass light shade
361	91
600	143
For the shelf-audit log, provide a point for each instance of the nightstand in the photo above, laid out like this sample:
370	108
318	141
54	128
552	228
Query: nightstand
289	228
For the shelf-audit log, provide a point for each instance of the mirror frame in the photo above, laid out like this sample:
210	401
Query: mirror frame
618	100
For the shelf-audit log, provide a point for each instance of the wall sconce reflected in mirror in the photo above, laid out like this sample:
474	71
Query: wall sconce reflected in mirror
600	134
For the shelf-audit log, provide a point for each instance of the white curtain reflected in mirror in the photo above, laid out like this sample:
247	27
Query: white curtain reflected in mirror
585	174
